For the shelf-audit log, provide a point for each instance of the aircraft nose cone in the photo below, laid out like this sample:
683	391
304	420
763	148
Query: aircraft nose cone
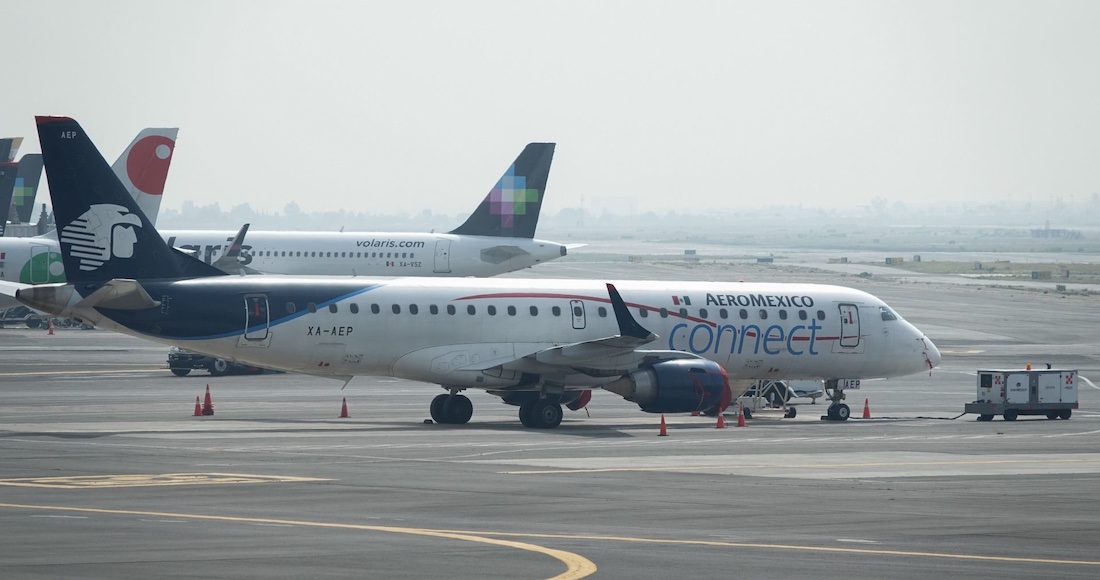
931	352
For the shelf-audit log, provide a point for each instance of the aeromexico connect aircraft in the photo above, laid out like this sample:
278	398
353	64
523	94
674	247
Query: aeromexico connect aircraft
142	168
667	346
497	238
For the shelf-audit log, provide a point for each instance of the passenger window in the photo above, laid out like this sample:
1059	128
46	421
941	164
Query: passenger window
602	312
411	255
702	313
396	308
534	311
578	312
471	310
291	308
642	312
492	310
312	307
887	314
744	314
354	308
328	254
664	313
332	308
433	309
782	314
763	314
414	309
375	309
556	311
723	313
511	311
403	254
821	315
450	309
802	315
683	313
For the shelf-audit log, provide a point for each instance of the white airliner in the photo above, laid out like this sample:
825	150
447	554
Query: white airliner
497	238
539	344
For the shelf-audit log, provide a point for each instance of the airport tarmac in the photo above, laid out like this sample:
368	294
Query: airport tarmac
104	473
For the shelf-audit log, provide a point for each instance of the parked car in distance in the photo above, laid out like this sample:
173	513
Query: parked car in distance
181	362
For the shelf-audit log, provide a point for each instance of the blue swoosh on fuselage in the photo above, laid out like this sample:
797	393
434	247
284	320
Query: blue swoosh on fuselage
211	308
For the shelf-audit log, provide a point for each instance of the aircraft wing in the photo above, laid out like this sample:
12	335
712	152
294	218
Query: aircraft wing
601	357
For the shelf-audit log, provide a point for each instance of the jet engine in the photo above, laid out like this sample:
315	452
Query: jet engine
676	386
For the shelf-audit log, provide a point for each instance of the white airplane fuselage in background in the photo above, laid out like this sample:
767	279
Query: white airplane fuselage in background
370	253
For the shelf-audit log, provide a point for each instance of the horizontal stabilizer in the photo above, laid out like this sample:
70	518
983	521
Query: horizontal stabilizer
501	254
119	294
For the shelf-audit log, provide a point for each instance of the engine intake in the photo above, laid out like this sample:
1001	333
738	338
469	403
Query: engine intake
676	386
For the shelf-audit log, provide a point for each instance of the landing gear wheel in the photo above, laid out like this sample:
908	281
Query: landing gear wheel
525	411
839	412
791	412
1065	414
541	414
180	372
457	409
437	408
219	367
1011	414
985	417
1052	414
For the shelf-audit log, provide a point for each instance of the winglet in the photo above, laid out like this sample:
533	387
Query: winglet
229	262
627	325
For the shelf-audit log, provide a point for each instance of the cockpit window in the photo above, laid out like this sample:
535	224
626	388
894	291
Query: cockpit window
887	314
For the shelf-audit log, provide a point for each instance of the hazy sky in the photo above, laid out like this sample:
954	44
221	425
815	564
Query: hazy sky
404	106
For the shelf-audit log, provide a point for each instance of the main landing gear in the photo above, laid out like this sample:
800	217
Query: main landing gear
837	410
538	413
535	411
452	409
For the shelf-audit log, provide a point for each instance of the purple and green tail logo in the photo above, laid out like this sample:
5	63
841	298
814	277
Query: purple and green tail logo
510	197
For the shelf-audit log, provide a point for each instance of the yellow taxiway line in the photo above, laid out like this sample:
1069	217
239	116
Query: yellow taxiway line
577	566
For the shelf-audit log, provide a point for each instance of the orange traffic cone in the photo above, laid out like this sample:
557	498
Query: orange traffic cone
207	404
866	409
198	408
50	329
721	422
344	409
741	415
664	428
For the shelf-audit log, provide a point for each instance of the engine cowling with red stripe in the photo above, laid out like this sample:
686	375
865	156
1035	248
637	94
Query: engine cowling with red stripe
677	386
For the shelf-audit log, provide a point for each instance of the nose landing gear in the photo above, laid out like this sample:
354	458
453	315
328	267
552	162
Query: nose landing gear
837	410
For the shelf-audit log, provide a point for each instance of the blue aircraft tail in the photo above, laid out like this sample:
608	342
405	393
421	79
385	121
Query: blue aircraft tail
7	183
512	207
26	186
102	231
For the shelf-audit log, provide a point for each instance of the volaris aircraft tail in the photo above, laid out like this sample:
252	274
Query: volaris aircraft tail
103	233
8	171
512	207
26	186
